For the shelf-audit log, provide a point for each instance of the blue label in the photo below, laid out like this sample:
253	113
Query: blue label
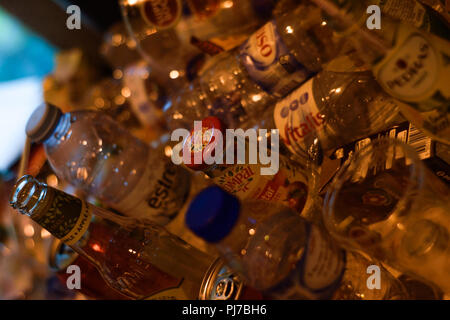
269	62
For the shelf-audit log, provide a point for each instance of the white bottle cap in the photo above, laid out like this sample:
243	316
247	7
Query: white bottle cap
43	122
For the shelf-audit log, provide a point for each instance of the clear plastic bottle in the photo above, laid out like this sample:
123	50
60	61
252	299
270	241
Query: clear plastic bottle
412	12
243	83
410	64
172	33
281	180
282	254
334	108
386	203
95	154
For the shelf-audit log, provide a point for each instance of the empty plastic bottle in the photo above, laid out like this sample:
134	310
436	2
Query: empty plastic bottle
282	254
334	108
410	64
284	181
171	34
95	154
239	86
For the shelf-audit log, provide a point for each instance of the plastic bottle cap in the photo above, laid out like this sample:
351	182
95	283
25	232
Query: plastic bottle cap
212	214
210	126
42	122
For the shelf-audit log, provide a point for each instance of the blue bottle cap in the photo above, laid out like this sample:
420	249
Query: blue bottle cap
212	214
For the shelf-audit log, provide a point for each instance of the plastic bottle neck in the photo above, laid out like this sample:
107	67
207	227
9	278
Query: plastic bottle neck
61	132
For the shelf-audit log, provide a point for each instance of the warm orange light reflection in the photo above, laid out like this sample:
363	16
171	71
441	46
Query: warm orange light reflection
97	248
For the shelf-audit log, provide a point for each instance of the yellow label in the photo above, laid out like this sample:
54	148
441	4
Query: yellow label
80	226
410	11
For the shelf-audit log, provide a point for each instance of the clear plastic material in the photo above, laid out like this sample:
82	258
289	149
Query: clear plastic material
409	64
170	34
93	153
386	203
287	257
333	109
241	86
224	90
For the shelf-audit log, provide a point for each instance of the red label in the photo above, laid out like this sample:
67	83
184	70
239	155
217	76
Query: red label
270	189
264	48
238	182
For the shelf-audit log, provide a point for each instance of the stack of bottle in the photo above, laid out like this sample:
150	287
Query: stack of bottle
373	101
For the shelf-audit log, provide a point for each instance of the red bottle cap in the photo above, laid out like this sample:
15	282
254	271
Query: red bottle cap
211	126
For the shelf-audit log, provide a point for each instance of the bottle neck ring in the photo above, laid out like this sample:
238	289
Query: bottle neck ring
28	195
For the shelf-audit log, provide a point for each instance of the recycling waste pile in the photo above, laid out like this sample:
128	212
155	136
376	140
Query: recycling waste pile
273	149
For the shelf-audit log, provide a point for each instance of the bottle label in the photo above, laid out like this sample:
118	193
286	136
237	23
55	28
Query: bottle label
410	11
304	125
417	71
160	192
317	274
288	186
67	218
411	71
269	62
299	120
162	14
409	134
165	14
